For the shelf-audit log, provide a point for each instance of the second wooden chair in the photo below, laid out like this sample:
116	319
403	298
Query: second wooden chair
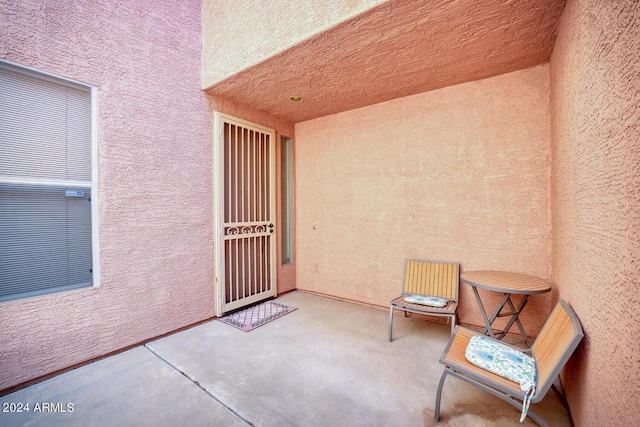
430	288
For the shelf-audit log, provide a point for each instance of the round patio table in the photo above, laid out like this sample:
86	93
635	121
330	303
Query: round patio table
509	284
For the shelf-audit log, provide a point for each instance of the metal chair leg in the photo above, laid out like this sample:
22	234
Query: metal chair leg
436	413
390	322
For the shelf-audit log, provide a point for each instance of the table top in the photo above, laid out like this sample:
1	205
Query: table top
506	281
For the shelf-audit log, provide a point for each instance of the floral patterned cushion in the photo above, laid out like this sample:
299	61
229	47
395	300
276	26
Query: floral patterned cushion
425	300
507	362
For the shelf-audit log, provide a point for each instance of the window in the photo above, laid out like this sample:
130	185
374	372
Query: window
286	159
47	184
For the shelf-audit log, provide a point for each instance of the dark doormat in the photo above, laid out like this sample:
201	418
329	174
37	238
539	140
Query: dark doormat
252	317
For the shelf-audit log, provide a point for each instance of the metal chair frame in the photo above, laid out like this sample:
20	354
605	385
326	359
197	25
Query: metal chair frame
551	350
428	278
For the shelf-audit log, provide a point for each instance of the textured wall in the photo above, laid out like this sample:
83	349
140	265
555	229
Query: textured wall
460	174
595	76
247	33
155	179
397	49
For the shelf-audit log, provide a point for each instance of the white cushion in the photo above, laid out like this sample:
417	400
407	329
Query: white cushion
507	362
425	300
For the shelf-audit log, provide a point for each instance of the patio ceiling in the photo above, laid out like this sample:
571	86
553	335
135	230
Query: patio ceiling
399	48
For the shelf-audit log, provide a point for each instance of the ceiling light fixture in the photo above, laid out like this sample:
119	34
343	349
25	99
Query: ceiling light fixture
295	98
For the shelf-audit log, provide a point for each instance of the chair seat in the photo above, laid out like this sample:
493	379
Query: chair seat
454	358
401	304
425	300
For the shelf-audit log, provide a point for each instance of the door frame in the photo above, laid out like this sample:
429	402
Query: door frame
219	119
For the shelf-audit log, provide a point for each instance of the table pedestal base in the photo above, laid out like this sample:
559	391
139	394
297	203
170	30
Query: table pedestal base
514	313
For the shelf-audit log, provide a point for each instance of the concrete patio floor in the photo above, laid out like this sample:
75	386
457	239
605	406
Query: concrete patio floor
328	363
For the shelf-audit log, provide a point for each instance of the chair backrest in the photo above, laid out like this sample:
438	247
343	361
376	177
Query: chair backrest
432	278
555	344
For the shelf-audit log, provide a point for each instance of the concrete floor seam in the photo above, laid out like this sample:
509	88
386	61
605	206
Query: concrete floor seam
196	383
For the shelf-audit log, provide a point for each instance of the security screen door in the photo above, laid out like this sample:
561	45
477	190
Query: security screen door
245	225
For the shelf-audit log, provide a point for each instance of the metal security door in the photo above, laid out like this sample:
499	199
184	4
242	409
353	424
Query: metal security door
246	243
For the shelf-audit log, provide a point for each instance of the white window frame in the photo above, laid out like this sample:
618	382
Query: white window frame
95	262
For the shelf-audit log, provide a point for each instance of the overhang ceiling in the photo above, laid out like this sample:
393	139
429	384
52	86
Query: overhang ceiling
399	48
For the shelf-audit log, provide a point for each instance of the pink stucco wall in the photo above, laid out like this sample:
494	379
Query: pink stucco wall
595	88
460	174
155	178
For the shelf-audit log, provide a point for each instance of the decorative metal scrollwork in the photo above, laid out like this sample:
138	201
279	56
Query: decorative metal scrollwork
247	229
231	231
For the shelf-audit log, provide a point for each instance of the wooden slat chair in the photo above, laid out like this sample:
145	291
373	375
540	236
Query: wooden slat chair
551	350
428	279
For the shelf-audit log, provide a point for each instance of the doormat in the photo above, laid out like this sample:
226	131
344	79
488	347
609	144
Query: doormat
252	317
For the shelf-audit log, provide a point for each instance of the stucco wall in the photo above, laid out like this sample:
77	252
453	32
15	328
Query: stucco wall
155	178
247	33
595	88
459	174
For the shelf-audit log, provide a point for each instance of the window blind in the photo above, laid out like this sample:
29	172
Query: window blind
45	184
